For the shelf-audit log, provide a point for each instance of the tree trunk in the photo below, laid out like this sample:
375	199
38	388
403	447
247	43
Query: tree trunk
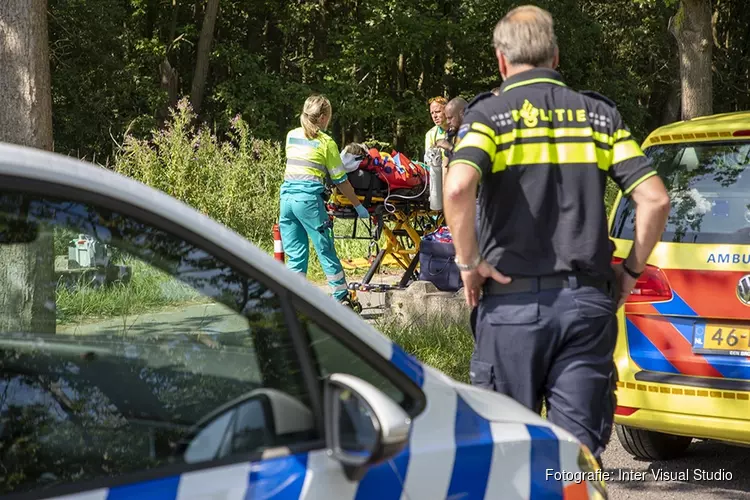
204	52
27	284
399	139
691	27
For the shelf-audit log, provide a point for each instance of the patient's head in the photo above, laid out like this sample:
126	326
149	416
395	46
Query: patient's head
356	149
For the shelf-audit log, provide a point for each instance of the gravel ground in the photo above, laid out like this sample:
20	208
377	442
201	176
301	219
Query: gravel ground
703	457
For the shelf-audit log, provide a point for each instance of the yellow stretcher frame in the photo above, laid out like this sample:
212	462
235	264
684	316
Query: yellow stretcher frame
402	240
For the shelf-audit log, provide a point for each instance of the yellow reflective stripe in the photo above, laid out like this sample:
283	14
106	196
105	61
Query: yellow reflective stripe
481	127
625	150
500	162
621	134
298	169
531	154
553	133
602	137
603	158
337	172
532	81
635	184
477	140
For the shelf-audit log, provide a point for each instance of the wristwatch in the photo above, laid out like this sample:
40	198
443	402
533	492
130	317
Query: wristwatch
632	273
468	267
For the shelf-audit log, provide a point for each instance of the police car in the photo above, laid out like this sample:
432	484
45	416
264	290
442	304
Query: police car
215	373
683	352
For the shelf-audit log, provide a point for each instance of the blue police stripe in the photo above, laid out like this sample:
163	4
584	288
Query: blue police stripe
408	364
545	454
158	489
278	478
474	446
728	366
383	482
644	352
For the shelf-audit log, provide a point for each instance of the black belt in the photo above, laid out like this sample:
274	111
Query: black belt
525	285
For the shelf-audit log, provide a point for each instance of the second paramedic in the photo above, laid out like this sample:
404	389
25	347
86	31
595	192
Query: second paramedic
311	156
440	130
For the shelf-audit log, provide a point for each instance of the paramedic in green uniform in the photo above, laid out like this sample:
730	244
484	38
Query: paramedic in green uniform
439	131
311	156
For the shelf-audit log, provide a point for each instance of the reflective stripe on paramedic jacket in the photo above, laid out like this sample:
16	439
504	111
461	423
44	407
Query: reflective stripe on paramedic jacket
544	152
309	160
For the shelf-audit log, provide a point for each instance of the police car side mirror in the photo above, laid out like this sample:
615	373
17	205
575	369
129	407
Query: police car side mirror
363	426
261	419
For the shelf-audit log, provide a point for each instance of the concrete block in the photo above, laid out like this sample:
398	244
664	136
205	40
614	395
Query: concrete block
422	301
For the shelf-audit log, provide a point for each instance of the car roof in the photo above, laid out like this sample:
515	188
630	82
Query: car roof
718	127
45	166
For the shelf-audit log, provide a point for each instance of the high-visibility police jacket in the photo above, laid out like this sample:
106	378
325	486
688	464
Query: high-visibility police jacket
309	162
544	152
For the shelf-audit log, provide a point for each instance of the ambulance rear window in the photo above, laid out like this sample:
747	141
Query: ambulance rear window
709	184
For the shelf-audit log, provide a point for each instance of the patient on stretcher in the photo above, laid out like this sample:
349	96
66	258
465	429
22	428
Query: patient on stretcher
382	174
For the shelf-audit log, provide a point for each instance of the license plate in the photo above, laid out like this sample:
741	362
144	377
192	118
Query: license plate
728	340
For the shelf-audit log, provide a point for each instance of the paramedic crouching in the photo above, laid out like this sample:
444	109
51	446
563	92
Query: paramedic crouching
310	155
545	324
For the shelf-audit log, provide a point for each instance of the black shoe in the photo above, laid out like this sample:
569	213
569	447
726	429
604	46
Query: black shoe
352	304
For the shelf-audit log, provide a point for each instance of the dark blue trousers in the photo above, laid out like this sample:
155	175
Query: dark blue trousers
553	344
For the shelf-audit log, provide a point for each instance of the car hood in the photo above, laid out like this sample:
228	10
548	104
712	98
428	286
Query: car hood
496	407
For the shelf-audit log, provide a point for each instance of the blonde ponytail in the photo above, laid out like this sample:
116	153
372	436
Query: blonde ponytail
316	107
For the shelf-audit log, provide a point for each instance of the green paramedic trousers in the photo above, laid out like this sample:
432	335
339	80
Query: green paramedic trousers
303	215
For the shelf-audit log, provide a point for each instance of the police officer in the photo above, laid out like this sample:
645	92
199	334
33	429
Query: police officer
545	326
454	115
312	157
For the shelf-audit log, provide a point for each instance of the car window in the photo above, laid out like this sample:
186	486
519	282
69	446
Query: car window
709	184
124	348
333	356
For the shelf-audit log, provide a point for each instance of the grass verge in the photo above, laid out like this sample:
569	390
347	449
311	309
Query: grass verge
441	342
148	290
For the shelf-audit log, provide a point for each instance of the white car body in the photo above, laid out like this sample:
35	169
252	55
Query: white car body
465	444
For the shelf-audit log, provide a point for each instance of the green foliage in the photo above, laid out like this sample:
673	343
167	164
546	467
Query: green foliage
378	64
235	181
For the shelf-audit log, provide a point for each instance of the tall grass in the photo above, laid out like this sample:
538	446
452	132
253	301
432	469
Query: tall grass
149	289
442	342
235	181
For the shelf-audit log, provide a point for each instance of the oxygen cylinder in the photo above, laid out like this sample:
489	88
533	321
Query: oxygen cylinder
436	178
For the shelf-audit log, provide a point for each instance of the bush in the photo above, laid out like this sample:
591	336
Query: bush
235	182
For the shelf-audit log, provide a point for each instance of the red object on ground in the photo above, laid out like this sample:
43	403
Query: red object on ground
278	248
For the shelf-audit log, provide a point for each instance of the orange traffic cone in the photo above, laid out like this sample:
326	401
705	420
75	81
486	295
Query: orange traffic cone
278	248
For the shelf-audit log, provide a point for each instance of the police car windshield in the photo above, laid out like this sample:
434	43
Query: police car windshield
709	184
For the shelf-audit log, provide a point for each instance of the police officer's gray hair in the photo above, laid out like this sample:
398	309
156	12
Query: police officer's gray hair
526	35
316	107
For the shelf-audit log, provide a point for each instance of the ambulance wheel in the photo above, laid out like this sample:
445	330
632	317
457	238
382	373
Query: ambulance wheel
652	445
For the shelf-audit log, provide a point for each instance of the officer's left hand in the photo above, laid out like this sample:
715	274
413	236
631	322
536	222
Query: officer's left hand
473	281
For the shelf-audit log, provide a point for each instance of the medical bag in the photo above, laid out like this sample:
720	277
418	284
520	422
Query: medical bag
437	261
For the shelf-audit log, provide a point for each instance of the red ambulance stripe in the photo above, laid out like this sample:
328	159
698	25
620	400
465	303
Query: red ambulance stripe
673	345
